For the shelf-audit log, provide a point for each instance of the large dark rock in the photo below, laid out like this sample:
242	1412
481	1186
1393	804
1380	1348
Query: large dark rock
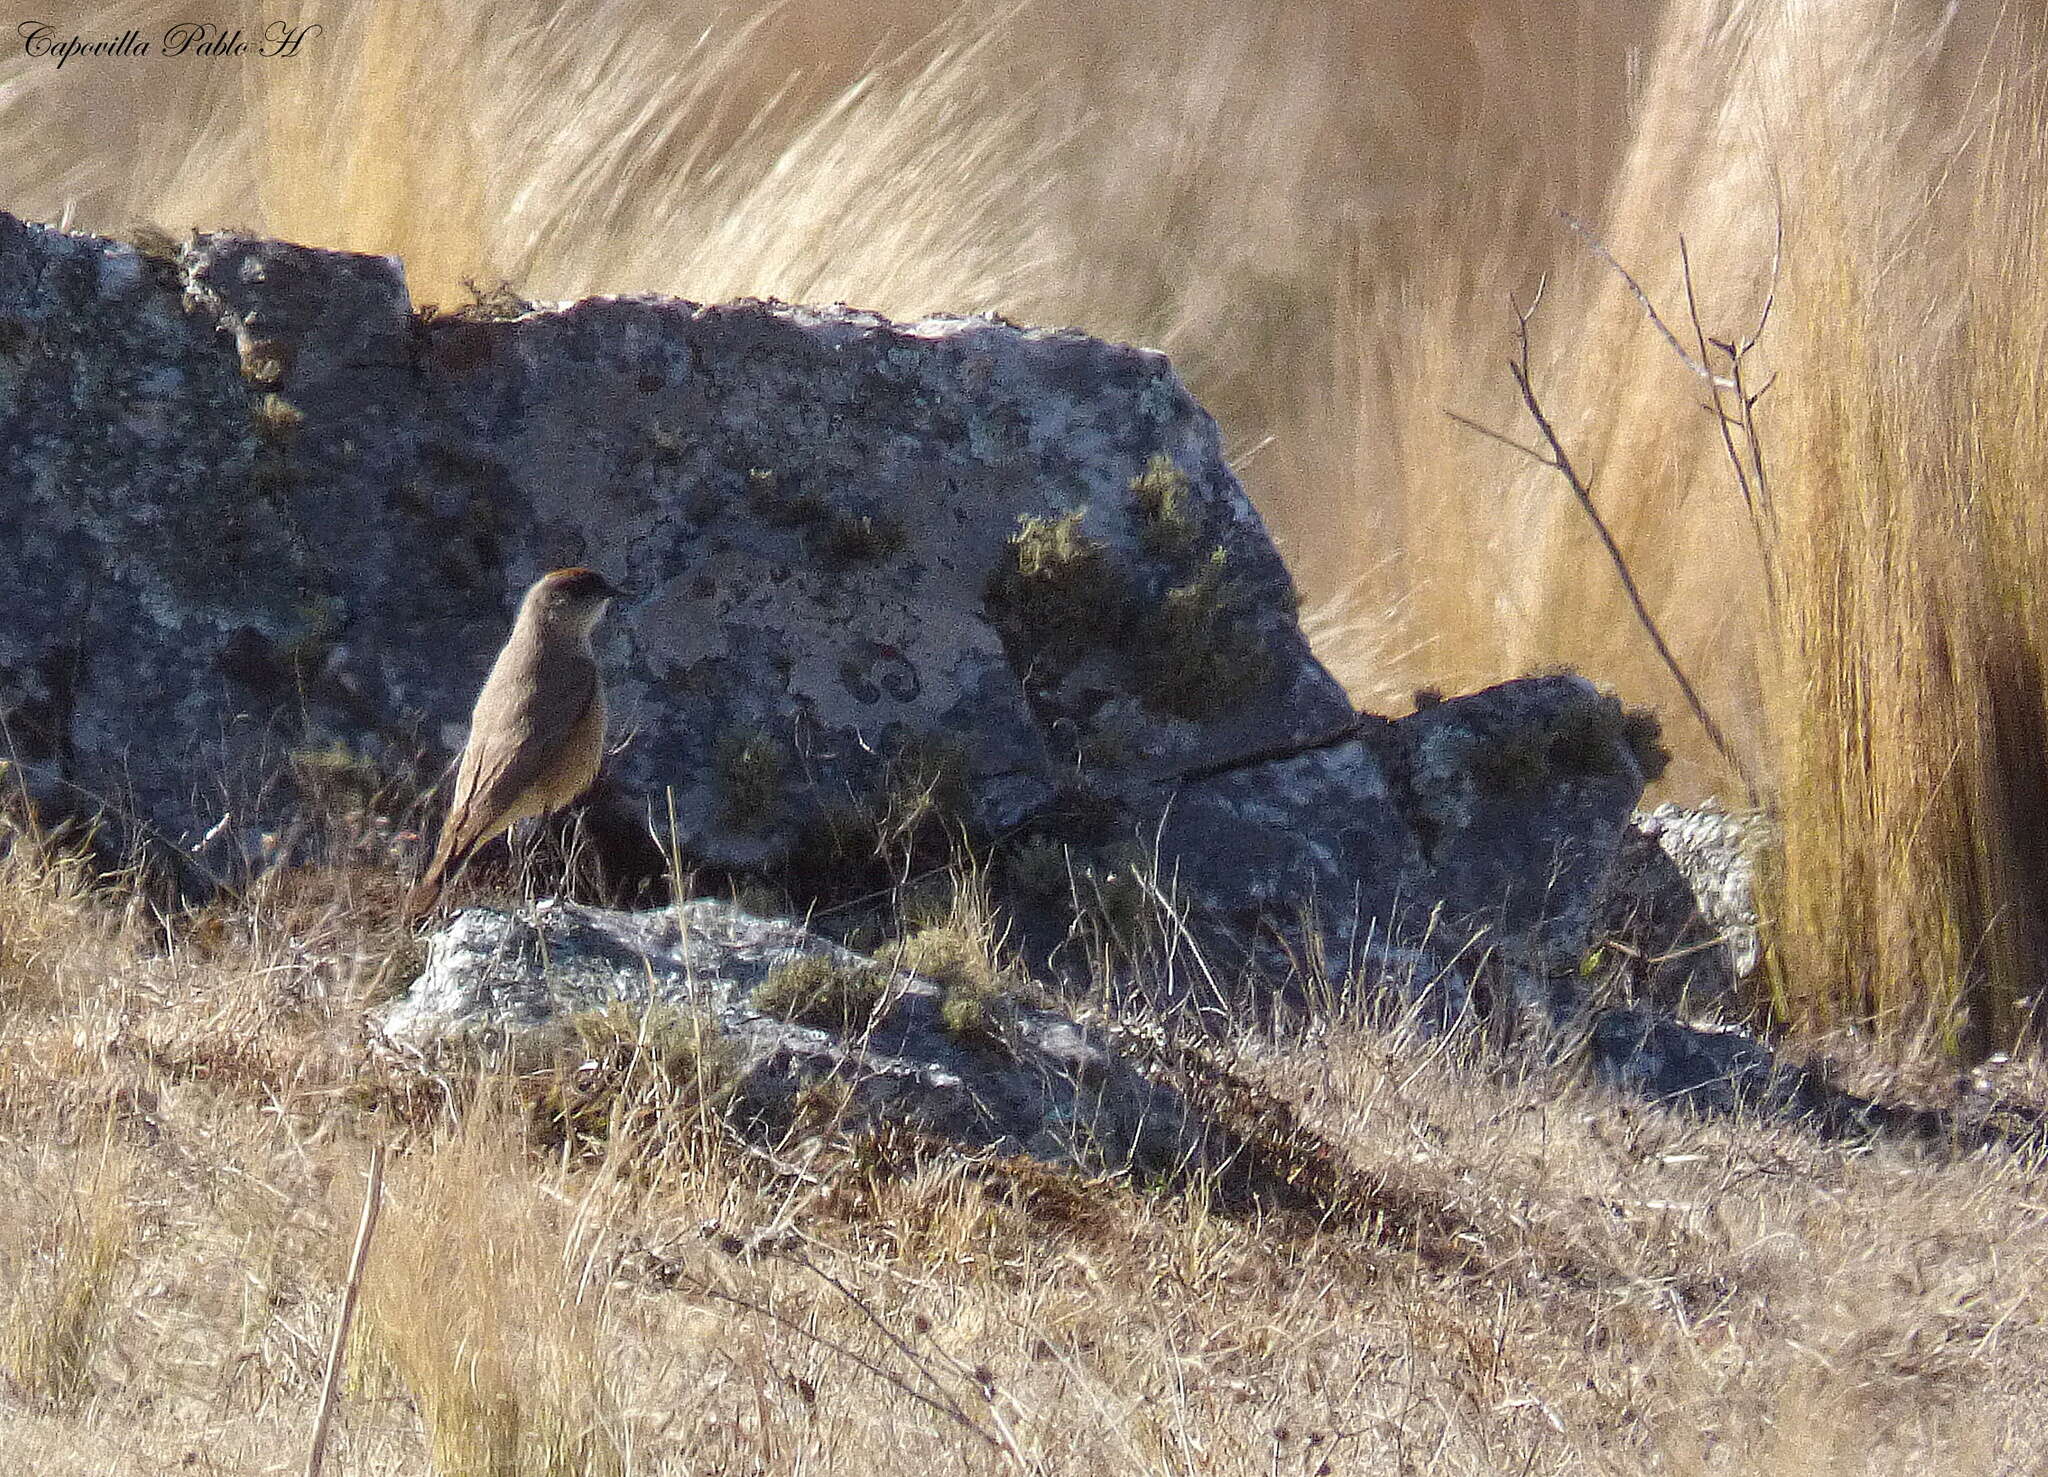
951	579
249	484
1482	829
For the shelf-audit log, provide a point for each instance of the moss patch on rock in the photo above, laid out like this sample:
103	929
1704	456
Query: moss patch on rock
1202	652
747	766
848	539
823	992
1057	589
1166	517
1591	736
977	998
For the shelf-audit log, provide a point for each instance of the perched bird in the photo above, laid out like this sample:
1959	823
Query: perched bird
538	730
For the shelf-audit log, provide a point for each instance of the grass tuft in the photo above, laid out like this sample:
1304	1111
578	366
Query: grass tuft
824	992
1058	590
1201	652
646	1077
67	1291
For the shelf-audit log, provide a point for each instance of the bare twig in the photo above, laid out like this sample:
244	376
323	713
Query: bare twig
1593	243
1763	318
1722	419
1552	454
1004	1440
330	1386
1746	461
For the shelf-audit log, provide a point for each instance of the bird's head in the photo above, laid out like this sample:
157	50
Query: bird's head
571	599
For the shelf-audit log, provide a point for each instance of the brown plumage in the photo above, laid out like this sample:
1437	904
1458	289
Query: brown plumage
538	730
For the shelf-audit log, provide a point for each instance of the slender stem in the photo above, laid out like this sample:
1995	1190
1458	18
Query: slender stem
1553	455
330	1387
1560	461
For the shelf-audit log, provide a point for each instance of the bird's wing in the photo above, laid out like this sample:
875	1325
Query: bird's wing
522	719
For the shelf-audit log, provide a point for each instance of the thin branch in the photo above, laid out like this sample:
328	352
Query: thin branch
985	1387
1763	318
330	1385
1746	460
1598	248
1559	460
1508	441
1721	419
941	1403
1750	476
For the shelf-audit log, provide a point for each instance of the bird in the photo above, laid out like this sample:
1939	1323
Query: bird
537	732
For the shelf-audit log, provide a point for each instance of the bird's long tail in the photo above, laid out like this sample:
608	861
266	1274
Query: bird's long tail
427	891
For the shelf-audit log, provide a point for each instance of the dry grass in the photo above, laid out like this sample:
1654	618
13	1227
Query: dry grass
1530	1276
516	1380
1321	212
67	1262
1902	673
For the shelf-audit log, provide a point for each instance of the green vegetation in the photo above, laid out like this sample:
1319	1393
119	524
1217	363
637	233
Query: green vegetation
825	992
154	242
1643	732
747	767
497	303
1512	764
1113	888
925	784
1058	590
1167	522
1195	653
1200	652
822	1105
907	817
976	993
1037	867
1591	735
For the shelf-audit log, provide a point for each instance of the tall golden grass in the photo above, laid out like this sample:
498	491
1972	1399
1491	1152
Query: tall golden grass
1323	211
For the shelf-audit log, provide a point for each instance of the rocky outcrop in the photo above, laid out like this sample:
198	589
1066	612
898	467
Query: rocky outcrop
807	1035
1715	852
1480	830
872	554
905	586
798	1043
